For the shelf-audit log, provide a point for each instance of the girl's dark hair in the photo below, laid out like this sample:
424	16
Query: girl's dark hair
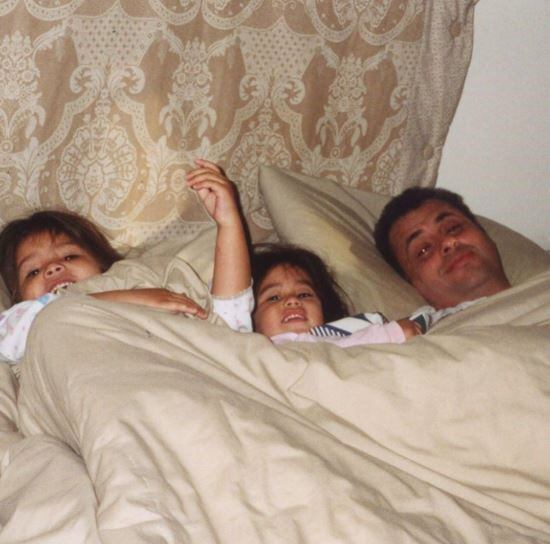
265	257
80	230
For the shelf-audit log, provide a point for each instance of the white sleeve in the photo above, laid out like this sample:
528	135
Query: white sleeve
15	324
236	311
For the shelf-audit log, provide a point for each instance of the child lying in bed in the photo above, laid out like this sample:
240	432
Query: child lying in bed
45	252
295	295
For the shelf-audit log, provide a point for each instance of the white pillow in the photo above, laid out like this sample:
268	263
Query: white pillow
179	266
337	222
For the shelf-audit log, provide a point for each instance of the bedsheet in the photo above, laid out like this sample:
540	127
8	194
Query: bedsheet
179	430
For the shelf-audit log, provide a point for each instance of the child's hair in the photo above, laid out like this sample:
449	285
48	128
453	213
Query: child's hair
80	231
265	257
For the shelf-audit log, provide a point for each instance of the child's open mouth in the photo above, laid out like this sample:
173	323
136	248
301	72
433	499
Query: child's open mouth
60	286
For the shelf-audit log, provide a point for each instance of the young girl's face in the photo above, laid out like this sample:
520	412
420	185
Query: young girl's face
287	302
46	263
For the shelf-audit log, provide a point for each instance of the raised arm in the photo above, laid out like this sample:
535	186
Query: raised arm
231	259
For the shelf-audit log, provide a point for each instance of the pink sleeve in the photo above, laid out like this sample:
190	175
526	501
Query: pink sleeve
389	333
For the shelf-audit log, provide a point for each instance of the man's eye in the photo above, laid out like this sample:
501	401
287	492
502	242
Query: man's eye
424	251
454	229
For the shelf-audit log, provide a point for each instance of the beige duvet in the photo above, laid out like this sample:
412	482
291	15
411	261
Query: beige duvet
146	427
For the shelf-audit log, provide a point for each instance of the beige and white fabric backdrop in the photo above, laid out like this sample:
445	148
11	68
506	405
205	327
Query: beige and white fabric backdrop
104	104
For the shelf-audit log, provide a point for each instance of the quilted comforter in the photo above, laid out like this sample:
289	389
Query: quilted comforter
141	426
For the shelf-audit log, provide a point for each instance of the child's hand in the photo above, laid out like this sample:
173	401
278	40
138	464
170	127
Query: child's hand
162	299
216	192
410	328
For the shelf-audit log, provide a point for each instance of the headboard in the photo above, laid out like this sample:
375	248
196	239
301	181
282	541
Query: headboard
104	105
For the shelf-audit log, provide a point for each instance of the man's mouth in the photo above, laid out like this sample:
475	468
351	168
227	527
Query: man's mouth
462	258
58	287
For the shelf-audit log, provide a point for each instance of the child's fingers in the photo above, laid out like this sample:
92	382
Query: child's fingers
209	165
182	304
205	167
192	310
207	176
210	181
164	299
410	328
212	185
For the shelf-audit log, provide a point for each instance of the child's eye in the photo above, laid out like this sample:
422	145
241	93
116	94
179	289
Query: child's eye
32	273
273	298
305	294
70	257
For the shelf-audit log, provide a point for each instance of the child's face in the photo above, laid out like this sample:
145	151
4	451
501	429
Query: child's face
46	263
286	302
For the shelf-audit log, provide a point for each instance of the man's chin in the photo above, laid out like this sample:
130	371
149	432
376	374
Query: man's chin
464	289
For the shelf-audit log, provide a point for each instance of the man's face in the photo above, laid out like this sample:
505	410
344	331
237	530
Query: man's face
445	256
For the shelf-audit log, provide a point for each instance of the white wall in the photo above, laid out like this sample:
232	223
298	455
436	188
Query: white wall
497	154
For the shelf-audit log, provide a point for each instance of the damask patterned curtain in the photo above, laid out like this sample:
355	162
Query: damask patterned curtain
105	104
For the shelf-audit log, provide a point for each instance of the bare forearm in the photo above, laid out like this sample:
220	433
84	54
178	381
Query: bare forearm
231	261
159	298
115	296
219	197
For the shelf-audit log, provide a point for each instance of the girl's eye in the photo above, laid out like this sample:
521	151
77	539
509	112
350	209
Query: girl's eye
32	273
305	294
273	298
70	257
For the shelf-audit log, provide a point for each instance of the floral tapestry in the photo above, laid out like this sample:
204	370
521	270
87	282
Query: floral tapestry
105	104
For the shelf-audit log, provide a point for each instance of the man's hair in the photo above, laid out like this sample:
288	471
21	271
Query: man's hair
265	257
409	200
78	229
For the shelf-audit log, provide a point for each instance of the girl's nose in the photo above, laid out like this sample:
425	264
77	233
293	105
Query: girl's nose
292	300
53	268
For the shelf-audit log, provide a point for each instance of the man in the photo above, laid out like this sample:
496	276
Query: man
433	240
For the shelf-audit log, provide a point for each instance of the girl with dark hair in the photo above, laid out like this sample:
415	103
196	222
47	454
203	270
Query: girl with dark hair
295	294
44	253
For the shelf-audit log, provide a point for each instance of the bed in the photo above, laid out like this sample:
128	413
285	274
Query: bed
141	426
130	425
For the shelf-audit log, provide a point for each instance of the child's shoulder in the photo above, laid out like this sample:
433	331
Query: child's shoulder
350	324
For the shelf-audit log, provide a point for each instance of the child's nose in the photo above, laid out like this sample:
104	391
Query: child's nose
53	268
292	300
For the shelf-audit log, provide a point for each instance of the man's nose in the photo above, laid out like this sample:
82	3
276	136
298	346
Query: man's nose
53	268
448	244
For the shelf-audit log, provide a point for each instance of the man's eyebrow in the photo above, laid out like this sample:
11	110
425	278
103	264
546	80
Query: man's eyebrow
443	215
416	233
